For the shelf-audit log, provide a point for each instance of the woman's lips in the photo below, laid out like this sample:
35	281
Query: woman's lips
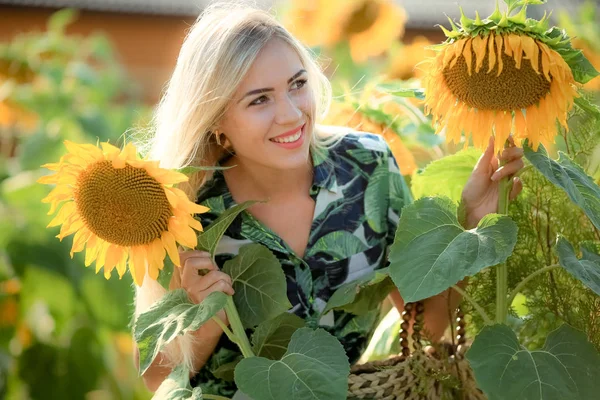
291	140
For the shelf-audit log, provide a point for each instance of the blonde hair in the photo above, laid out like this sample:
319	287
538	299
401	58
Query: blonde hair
217	53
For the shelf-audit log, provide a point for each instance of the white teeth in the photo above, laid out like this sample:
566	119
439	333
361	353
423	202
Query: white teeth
289	139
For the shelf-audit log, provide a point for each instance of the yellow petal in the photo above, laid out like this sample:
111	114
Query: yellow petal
65	212
183	234
458	49
468	55
110	152
479	46
531	51
507	49
517	49
499	41
170	244
122	264
520	126
491	53
137	264
91	250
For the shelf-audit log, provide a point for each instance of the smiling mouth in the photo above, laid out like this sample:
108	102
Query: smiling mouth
290	138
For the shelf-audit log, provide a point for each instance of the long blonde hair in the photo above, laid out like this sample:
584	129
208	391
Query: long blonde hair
217	53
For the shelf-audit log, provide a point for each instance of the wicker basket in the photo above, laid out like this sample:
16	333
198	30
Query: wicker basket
442	374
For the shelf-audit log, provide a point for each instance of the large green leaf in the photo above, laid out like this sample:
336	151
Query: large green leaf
376	198
446	176
586	269
174	314
177	386
570	177
566	368
259	284
362	295
339	244
432	251
271	338
209	239
315	366
582	68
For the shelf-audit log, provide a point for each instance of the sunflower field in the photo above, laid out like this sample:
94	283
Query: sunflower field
65	315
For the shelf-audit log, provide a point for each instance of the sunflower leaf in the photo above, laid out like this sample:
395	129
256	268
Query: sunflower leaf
362	295
271	338
315	366
177	386
396	89
446	176
583	70
586	269
259	284
165	274
209	239
432	251
192	169
173	315
567	367
571	178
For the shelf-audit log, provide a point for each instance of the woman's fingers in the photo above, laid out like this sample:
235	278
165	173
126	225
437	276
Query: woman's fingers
184	255
211	278
193	268
517	187
508	169
511	153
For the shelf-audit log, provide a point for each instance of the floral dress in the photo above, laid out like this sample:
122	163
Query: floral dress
358	192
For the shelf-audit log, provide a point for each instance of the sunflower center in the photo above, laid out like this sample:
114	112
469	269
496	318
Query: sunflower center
512	90
124	206
362	18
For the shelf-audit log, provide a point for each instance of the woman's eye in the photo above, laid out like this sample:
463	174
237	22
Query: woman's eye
260	100
299	84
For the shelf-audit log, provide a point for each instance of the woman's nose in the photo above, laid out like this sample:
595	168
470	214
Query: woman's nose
288	111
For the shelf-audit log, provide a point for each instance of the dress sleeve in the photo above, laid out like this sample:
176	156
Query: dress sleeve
399	196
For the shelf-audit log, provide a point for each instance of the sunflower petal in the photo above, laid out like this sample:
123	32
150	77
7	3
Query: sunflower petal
491	53
170	245
66	212
499	42
468	55
479	47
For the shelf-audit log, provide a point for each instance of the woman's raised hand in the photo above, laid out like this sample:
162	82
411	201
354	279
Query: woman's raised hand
200	277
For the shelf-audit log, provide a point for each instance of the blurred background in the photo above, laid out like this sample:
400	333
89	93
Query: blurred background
89	70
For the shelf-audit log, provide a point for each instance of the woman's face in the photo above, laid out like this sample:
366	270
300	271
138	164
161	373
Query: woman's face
268	121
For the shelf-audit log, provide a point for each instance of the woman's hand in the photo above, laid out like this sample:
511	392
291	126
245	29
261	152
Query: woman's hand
200	277
480	195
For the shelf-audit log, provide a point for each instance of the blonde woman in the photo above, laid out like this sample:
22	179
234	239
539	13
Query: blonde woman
246	94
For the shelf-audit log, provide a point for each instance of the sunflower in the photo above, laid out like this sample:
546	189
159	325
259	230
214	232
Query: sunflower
345	114
503	74
405	62
124	210
369	26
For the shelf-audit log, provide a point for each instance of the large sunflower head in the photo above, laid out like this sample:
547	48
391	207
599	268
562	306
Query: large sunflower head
122	209
369	26
506	73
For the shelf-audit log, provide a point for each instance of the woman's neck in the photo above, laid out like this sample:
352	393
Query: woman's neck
252	181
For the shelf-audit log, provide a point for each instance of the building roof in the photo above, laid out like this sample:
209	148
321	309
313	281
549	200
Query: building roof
422	13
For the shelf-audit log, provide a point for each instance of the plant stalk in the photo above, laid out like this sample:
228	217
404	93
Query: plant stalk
529	277
476	306
238	329
504	187
214	397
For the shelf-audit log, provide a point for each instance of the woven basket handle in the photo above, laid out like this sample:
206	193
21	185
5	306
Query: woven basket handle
419	310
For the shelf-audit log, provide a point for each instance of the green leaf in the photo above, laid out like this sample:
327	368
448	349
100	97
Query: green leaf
432	251
587	106
583	70
271	338
339	244
446	176
376	198
192	169
174	314
570	177
586	269
165	275
362	295
209	239
259	284
315	366
177	386
567	367
396	88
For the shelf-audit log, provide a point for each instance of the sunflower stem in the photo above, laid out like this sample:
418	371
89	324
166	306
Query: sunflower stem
238	329
225	329
529	277
504	187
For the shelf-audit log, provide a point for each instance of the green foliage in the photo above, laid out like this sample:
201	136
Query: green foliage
259	284
432	251
586	269
314	366
271	338
446	176
174	314
564	173
566	368
177	386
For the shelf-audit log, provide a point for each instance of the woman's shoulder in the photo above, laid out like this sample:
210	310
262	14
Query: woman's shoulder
353	143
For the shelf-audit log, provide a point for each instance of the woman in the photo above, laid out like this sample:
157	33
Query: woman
245	94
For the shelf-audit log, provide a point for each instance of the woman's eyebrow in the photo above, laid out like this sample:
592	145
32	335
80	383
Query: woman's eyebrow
265	90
